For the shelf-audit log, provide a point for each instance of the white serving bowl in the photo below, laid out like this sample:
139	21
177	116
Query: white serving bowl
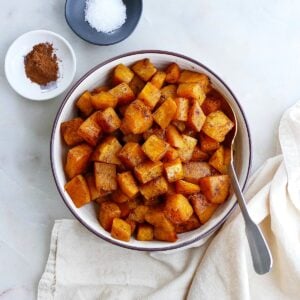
15	71
87	215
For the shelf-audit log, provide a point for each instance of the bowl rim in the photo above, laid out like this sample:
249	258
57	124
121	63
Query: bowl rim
73	211
104	44
55	92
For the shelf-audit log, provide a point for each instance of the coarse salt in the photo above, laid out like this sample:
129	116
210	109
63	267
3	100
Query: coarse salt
105	15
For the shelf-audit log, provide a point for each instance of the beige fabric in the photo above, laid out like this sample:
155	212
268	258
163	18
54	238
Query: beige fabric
81	266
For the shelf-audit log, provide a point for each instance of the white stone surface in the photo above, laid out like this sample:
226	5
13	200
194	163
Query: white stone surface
253	45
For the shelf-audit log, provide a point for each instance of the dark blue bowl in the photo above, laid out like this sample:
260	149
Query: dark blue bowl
74	13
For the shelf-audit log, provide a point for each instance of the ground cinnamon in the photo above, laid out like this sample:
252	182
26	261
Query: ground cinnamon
41	65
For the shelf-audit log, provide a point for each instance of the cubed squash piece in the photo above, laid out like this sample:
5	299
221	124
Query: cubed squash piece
157	218
158	79
150	95
77	160
182	109
165	113
84	104
220	160
155	187
109	120
138	117
108	151
202	208
127	184
132	224
174	138
136	84
186	152
144	232
107	213
132	138
125	209
90	130
191	91
186	188
104	100
105	176
155	148
173	73
191	224
94	192
122	74
174	170
215	188
194	77
196	117
168	91
132	155
171	154
180	125
193	171
98	89
148	171
161	234
69	132
123	93
121	230
178	208
119	197
217	125
161	133
78	190
138	214
144	69
207	144
199	155
211	104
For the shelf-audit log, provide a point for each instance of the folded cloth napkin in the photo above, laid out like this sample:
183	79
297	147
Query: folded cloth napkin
82	266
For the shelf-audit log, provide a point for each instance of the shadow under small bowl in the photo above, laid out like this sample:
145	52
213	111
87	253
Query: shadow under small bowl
75	17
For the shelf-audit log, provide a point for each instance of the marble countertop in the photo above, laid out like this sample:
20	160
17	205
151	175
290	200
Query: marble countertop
253	45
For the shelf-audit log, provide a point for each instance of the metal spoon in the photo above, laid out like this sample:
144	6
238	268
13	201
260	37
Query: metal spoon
260	252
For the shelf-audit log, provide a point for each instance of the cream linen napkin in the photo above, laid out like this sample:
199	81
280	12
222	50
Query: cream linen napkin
81	266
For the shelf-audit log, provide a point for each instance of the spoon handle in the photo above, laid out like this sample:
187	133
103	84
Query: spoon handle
260	252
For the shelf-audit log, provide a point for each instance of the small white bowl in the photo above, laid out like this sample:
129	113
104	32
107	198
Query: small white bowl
99	75
15	70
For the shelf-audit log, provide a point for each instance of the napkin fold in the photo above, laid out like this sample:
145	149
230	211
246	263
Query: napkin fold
82	266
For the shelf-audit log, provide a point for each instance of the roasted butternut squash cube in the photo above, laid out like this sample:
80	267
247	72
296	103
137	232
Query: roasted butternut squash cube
155	187
109	120
174	170
77	160
207	144
186	188
107	213
168	91
194	77
97	90
125	209
94	192
196	117
127	184
217	125
132	138
171	154
186	152
157	218
132	155
174	138
173	73
161	133
104	100
78	190
148	171
158	79
180	125
199	155
193	171
182	109
155	148
161	234
105	177
90	130
69	132
136	85
144	69
120	230
215	188
220	160
132	224
150	95
144	232
138	117
138	214
202	208
165	113
178	208
191	224
191	91
122	74
123	93
119	197
84	104
211	105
